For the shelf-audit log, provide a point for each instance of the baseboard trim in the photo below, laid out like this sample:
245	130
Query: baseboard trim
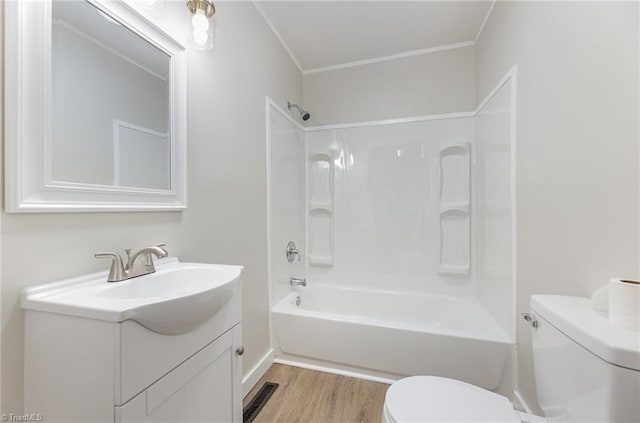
334	371
254	375
520	404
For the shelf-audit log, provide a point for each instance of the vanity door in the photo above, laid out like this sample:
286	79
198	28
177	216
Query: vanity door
205	388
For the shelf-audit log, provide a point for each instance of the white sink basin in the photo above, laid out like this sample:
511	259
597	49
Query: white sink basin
175	299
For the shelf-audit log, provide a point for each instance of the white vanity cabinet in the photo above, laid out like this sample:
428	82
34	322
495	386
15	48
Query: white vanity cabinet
84	363
202	389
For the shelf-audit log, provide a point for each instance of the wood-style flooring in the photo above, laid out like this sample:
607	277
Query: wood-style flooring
308	396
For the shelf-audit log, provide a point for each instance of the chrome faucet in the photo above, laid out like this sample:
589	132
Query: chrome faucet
135	266
297	282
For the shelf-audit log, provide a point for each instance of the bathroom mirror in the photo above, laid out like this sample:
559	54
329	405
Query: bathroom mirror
95	109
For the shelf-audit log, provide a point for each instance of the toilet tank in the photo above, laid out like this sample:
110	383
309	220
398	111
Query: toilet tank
586	369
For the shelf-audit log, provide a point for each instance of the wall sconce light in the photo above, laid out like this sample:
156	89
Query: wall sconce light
202	23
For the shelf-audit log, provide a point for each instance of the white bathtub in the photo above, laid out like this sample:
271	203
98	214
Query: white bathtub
394	334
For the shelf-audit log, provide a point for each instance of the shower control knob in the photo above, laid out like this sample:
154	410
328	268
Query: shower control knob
240	350
292	252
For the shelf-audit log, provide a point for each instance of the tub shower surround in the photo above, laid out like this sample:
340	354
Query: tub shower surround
403	223
386	200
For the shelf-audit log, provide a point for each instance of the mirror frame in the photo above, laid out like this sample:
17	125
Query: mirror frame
28	184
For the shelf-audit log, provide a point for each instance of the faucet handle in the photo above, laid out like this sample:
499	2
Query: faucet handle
106	255
116	272
292	252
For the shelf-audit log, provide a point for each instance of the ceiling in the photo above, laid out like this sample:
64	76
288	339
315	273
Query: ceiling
321	34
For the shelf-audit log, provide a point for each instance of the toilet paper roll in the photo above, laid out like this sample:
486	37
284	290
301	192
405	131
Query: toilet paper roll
600	299
624	303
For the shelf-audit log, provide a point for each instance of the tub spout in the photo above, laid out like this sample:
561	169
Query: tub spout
297	282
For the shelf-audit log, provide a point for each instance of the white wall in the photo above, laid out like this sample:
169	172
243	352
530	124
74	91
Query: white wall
577	138
432	83
226	219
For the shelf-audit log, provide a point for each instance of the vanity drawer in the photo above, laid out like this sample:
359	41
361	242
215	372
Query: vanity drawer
146	356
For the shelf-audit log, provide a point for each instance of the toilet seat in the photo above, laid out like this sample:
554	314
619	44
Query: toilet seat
437	399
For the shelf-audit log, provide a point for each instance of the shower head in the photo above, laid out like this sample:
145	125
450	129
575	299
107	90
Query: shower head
303	113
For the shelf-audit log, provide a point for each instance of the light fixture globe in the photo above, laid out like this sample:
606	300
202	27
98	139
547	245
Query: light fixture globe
201	20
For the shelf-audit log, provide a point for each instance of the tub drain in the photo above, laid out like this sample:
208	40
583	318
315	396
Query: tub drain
258	401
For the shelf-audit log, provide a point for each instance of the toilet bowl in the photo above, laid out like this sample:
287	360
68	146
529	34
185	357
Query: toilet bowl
438	399
586	370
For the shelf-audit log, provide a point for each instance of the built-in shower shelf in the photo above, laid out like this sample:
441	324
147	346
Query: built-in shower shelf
455	234
320	208
320	181
320	156
326	207
455	211
459	208
453	162
325	261
454	270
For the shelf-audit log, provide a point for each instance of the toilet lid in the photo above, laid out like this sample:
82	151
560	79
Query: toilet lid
437	399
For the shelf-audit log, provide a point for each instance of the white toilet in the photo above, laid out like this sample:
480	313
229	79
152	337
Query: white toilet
586	370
